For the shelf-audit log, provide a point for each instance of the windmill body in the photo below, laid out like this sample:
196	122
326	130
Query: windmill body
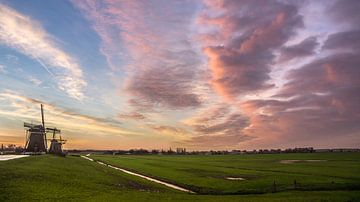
36	141
55	144
55	147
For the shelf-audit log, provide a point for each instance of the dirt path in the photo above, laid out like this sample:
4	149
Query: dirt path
10	157
139	175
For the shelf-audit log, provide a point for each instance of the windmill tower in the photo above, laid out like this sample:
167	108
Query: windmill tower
36	136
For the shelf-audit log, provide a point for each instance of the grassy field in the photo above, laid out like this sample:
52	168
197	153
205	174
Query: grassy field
52	178
208	174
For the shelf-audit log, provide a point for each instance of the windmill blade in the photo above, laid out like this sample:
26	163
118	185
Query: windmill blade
43	125
42	116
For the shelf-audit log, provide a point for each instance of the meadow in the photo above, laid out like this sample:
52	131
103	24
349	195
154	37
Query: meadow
259	173
50	178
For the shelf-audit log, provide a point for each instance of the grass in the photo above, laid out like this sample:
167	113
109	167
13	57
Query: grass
52	178
207	174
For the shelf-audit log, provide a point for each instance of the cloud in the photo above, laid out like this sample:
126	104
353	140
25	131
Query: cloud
216	141
345	12
339	68
107	27
18	106
307	119
343	40
215	113
150	41
319	102
12	58
35	81
132	115
241	60
233	124
324	75
26	35
170	130
2	69
164	87
218	127
302	49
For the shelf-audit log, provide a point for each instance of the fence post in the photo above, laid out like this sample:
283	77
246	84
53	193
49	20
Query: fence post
274	187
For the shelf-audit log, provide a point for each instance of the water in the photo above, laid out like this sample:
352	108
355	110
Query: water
300	161
235	178
10	157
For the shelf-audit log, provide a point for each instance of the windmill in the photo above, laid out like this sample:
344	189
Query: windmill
55	144
36	136
36	141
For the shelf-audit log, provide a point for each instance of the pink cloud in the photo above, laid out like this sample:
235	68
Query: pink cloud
319	100
242	63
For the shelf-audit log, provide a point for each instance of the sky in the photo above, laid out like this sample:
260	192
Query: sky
199	74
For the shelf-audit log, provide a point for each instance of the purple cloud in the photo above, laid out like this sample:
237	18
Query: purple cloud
302	49
343	40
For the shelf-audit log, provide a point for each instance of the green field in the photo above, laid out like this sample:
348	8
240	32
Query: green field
207	174
73	178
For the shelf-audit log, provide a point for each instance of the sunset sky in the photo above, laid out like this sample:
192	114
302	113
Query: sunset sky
214	74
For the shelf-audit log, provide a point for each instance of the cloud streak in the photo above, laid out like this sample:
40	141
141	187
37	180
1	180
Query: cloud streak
26	35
